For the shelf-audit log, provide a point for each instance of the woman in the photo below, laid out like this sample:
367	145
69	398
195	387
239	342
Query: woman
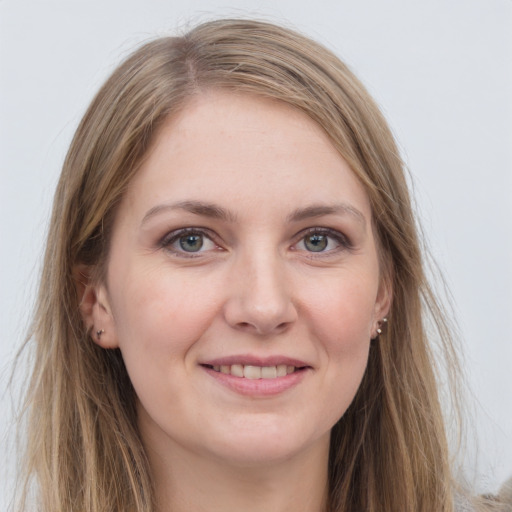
232	308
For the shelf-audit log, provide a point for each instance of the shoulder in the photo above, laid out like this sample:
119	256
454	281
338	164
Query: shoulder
463	504
464	507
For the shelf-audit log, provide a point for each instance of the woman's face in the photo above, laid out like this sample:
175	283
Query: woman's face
243	283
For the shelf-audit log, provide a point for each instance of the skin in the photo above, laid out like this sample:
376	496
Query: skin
254	288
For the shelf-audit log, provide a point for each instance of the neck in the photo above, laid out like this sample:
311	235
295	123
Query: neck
185	481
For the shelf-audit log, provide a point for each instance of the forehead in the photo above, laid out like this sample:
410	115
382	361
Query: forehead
225	145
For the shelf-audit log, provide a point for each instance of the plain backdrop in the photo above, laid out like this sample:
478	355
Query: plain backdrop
441	71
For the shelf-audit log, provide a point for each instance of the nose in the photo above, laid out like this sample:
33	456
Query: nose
260	299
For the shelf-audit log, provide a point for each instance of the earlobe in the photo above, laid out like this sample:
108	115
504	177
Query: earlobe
94	307
382	307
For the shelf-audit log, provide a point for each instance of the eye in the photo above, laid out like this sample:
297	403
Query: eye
188	241
319	240
191	243
316	242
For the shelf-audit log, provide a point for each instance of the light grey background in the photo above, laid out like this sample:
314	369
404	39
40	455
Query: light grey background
442	72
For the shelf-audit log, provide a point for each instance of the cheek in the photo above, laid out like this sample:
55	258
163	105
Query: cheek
162	313
341	320
158	320
342	311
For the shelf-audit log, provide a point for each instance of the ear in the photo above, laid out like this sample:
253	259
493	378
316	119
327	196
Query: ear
384	298
382	305
95	308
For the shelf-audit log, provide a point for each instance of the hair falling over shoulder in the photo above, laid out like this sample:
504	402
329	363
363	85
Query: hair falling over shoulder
389	452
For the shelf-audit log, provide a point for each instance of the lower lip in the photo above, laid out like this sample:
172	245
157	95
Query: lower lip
258	387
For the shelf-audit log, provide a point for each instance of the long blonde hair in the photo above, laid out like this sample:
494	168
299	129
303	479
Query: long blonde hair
389	450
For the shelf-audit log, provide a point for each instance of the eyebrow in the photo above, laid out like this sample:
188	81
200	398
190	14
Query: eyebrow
216	212
196	207
319	210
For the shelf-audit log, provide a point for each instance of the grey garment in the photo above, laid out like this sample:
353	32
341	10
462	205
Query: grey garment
463	504
465	507
505	494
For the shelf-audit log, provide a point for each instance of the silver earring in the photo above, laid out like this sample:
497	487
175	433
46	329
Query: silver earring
99	333
379	325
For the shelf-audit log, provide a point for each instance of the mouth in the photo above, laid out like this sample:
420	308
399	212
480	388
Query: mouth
253	372
255	376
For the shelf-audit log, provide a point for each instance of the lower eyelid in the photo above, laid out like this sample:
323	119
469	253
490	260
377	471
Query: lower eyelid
172	238
167	242
205	241
339	238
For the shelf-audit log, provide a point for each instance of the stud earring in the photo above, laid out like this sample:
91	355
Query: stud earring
99	333
380	324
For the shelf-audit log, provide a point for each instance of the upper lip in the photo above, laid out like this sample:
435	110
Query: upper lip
252	360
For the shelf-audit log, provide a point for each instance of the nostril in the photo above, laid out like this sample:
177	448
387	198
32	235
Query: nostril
248	326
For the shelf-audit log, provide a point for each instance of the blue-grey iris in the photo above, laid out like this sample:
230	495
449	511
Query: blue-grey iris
191	243
316	243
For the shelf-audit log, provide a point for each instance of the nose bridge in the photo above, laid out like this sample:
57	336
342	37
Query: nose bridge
260	297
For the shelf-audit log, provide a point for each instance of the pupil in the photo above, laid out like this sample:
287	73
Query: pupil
191	243
316	243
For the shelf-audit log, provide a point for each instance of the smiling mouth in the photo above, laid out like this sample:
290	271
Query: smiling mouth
255	372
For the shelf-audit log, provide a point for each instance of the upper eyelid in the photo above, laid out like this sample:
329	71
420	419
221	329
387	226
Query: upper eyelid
333	233
176	233
173	235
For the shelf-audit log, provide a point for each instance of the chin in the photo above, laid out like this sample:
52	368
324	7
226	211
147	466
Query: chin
265	443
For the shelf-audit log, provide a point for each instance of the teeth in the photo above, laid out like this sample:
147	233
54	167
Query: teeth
255	372
237	370
252	372
281	370
269	372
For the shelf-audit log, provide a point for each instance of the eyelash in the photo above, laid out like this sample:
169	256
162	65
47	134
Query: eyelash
173	237
342	240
